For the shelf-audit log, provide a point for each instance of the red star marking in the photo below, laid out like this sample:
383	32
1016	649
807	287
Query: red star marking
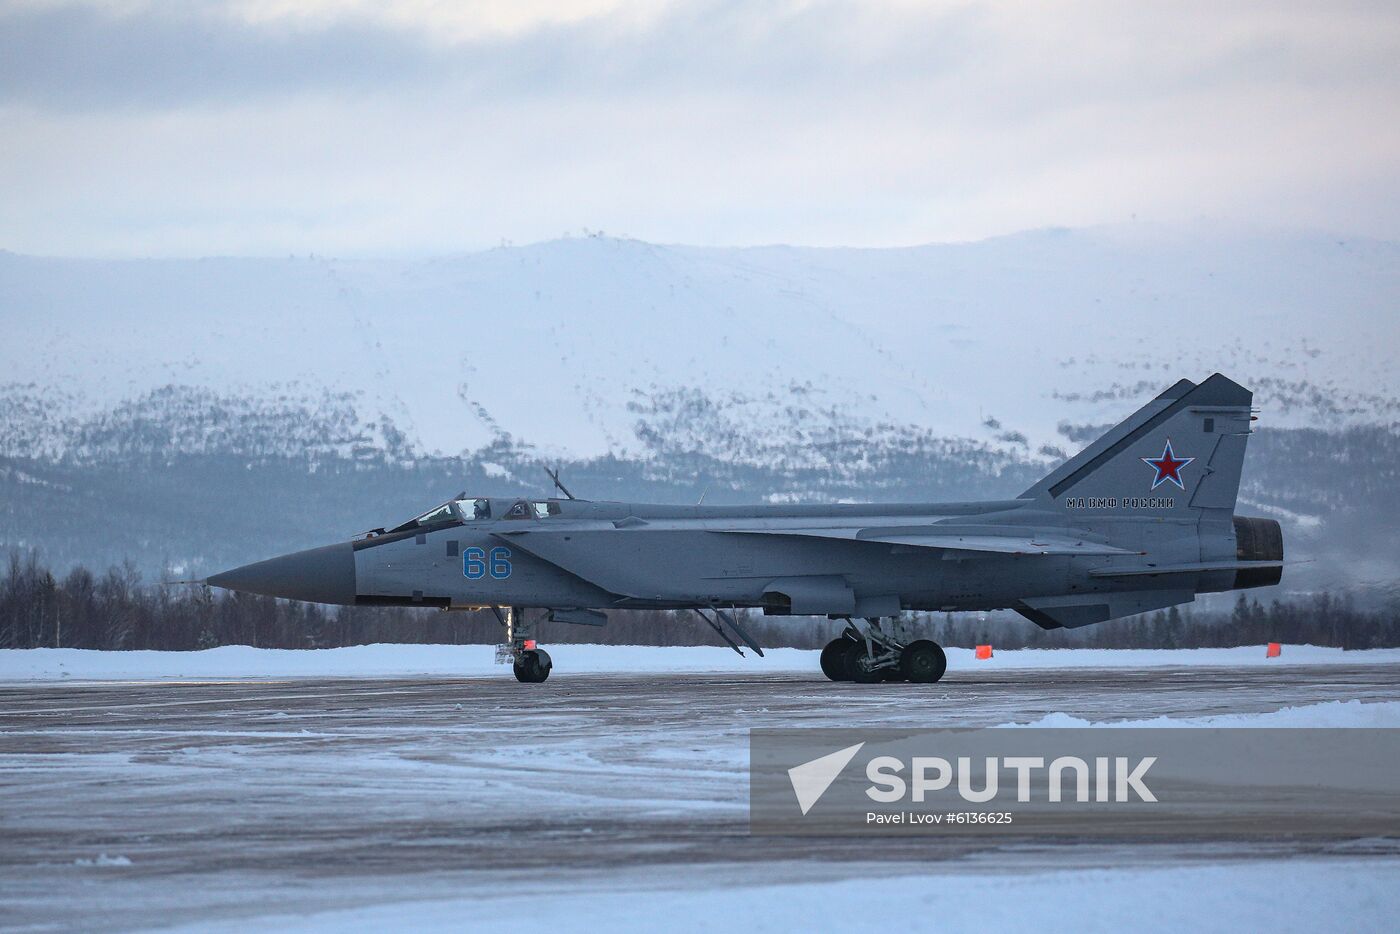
1168	467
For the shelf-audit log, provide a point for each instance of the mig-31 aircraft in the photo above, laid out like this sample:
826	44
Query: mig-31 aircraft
1141	519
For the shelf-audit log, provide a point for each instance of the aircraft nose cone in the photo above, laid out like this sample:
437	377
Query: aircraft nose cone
318	575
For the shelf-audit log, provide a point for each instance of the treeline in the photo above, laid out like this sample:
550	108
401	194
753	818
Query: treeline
117	610
1317	619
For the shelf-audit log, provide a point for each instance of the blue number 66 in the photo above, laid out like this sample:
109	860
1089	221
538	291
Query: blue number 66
500	563
474	564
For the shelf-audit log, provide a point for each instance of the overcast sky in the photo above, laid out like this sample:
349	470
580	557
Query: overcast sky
368	127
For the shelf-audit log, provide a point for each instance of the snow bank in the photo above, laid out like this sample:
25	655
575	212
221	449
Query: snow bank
368	661
474	660
1243	656
1330	714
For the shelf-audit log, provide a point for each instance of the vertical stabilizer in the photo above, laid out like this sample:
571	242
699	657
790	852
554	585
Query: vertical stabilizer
1184	450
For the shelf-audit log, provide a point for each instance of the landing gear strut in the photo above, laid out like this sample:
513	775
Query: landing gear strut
875	652
530	663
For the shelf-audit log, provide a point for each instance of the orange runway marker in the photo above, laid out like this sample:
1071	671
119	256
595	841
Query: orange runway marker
1275	650
984	651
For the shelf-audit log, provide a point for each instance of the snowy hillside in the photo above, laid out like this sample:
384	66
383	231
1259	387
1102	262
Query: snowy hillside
299	400
592	345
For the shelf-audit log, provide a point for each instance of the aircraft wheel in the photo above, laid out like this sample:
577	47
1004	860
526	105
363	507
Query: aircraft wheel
545	663
834	659
533	667
923	662
893	673
856	670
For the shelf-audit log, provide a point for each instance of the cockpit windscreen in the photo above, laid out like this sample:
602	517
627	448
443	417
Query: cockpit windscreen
457	510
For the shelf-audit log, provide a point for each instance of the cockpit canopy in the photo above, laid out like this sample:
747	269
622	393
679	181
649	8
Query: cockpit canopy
532	509
472	510
476	509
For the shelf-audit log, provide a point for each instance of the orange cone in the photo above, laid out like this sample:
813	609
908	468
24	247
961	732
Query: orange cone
984	651
1275	650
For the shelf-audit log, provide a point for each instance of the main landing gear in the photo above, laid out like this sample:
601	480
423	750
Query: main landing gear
530	663
871	653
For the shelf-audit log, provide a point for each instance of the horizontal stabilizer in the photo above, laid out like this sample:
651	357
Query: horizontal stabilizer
1073	611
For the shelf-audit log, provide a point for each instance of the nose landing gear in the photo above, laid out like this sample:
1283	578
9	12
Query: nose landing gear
532	666
871	653
530	663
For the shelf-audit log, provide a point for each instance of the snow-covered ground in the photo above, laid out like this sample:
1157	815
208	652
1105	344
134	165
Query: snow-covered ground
1327	715
1306	895
380	661
219	791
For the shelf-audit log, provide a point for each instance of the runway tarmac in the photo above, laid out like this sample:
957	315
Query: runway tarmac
127	803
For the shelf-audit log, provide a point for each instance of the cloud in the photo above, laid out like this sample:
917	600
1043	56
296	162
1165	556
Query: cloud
89	55
82	58
264	125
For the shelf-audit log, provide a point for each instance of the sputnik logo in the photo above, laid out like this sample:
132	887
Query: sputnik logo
810	780
1168	467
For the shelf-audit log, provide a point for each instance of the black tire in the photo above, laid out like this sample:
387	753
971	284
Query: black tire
923	662
893	673
532	667
856	671
834	659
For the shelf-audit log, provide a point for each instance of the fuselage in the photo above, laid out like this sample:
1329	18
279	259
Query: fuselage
571	553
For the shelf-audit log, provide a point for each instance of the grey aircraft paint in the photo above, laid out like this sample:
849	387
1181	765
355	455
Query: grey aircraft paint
1141	519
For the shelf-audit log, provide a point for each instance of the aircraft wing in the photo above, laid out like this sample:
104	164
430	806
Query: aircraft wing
1153	570
1014	542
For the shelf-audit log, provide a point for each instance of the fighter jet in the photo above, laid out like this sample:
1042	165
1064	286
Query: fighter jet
1139	520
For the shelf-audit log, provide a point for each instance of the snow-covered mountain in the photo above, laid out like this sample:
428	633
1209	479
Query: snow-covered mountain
588	346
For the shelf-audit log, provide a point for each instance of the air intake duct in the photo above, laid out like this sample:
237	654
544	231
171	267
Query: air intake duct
1258	540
